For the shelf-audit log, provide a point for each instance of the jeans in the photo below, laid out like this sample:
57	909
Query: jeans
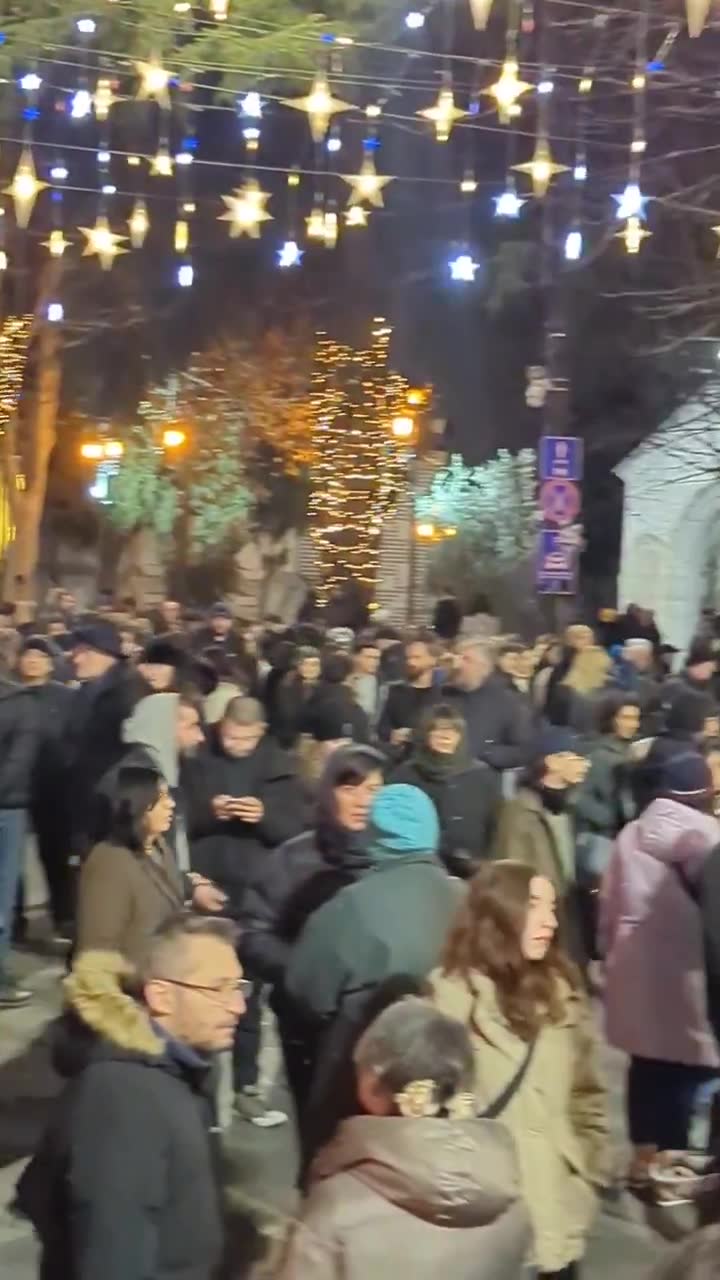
247	1042
13	826
660	1099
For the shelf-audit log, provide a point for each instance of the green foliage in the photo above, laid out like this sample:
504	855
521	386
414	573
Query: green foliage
218	498
494	511
144	494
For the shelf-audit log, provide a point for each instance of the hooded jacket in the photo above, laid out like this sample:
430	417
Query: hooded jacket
423	1197
123	1185
150	734
651	933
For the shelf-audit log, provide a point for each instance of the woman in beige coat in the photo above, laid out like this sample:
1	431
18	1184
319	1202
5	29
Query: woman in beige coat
504	977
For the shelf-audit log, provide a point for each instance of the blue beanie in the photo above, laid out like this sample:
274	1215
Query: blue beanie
403	820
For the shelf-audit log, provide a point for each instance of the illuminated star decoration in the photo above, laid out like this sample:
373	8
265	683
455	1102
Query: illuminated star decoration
161	165
508	204
319	105
507	90
103	242
463	268
542	168
480	10
289	254
139	224
246	210
367	185
356	216
316	224
57	244
631	202
697	12
104	98
154	82
443	114
633	235
25	188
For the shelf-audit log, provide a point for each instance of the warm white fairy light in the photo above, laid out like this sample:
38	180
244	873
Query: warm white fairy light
139	224
103	242
246	210
443	114
319	105
25	188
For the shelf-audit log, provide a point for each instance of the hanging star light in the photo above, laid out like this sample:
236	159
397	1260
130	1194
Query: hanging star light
57	244
154	82
25	188
182	235
315	223
631	202
319	105
246	210
367	185
289	254
103	242
443	114
356	216
139	224
161	165
542	168
633	235
507	90
697	12
508	204
330	229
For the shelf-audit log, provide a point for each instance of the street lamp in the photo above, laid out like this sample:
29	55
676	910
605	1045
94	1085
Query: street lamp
98	450
403	427
173	438
425	530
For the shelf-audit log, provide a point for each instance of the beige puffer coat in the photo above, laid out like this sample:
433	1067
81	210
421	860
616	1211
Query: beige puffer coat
557	1117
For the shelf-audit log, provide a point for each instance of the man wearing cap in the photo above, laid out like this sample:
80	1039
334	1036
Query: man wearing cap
49	811
220	633
108	692
698	674
18	738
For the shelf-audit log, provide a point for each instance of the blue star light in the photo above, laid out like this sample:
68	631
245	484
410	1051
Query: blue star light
630	202
508	205
290	254
463	268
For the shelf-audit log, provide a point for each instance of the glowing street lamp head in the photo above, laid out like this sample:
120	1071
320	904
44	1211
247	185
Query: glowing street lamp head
403	427
173	438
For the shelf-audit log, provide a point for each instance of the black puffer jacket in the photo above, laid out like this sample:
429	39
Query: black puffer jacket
123	1186
467	803
19	738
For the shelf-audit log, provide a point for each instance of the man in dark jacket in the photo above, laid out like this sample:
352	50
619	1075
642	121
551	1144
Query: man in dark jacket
220	634
408	699
242	800
697	676
333	699
49	810
108	692
123	1185
499	721
18	737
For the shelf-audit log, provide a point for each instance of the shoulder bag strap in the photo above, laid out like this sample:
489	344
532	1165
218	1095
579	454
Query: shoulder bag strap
503	1100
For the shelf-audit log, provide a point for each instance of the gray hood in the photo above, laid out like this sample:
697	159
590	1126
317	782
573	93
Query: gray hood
153	725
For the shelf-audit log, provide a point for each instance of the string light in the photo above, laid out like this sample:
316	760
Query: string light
585	85
55	312
59	173
463	268
633	235
573	245
367	185
185	275
542	168
252	137
289	254
415	20
507	90
315	223
319	106
580	172
25	188
182	235
161	165
86	26
104	98
356	216
443	114
251	106
545	87
330	229
139	224
630	202
103	157
57	244
508	204
469	183
103	242
185	158
31	82
246	210
373	110
81	104
154	82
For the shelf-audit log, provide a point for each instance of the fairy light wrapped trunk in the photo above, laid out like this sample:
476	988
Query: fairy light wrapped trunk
360	472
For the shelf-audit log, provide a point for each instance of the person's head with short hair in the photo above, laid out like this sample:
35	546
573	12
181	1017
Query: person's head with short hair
441	730
618	715
640	654
412	1042
336	667
366	655
189	733
475	664
701	661
422	654
161	665
579	637
242	727
691	715
35	661
193	983
507	658
506	928
221	620
67	602
556	759
56	626
352	778
307	664
140	809
97	649
170	612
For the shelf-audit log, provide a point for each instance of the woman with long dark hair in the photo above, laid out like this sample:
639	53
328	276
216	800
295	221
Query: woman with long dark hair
504	976
130	883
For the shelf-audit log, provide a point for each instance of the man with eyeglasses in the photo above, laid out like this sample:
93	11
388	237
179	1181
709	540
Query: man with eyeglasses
123	1185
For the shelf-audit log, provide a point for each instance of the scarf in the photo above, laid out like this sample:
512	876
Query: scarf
436	767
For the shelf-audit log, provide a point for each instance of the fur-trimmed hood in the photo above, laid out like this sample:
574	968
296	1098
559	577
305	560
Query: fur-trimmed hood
100	1016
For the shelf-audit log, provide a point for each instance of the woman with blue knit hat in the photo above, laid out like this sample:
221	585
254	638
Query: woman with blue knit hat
392	921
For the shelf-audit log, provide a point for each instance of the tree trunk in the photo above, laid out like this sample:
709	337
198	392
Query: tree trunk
40	437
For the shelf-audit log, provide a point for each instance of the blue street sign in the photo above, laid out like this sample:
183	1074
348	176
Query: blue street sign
561	458
557	562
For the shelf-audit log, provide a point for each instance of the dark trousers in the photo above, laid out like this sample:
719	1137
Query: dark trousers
568	1273
660	1098
247	1041
53	841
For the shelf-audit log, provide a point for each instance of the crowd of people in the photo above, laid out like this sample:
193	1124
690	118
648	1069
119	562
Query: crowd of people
427	852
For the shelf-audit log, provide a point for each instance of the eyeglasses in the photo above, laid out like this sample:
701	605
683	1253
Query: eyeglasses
224	991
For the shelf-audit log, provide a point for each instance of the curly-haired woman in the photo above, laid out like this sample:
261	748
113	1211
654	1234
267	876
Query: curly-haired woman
504	976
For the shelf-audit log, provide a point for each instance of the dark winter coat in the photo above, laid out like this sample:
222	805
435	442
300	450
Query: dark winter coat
18	745
233	854
604	802
123	897
404	706
499	722
332	712
394	1195
467	804
52	706
123	1186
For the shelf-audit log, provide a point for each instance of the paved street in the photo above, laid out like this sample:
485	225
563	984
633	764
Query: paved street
260	1164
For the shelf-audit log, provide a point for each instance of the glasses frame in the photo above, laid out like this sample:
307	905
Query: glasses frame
242	987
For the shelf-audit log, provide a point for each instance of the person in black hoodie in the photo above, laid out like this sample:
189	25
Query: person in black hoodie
690	720
123	1186
334	698
242	801
466	793
300	877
